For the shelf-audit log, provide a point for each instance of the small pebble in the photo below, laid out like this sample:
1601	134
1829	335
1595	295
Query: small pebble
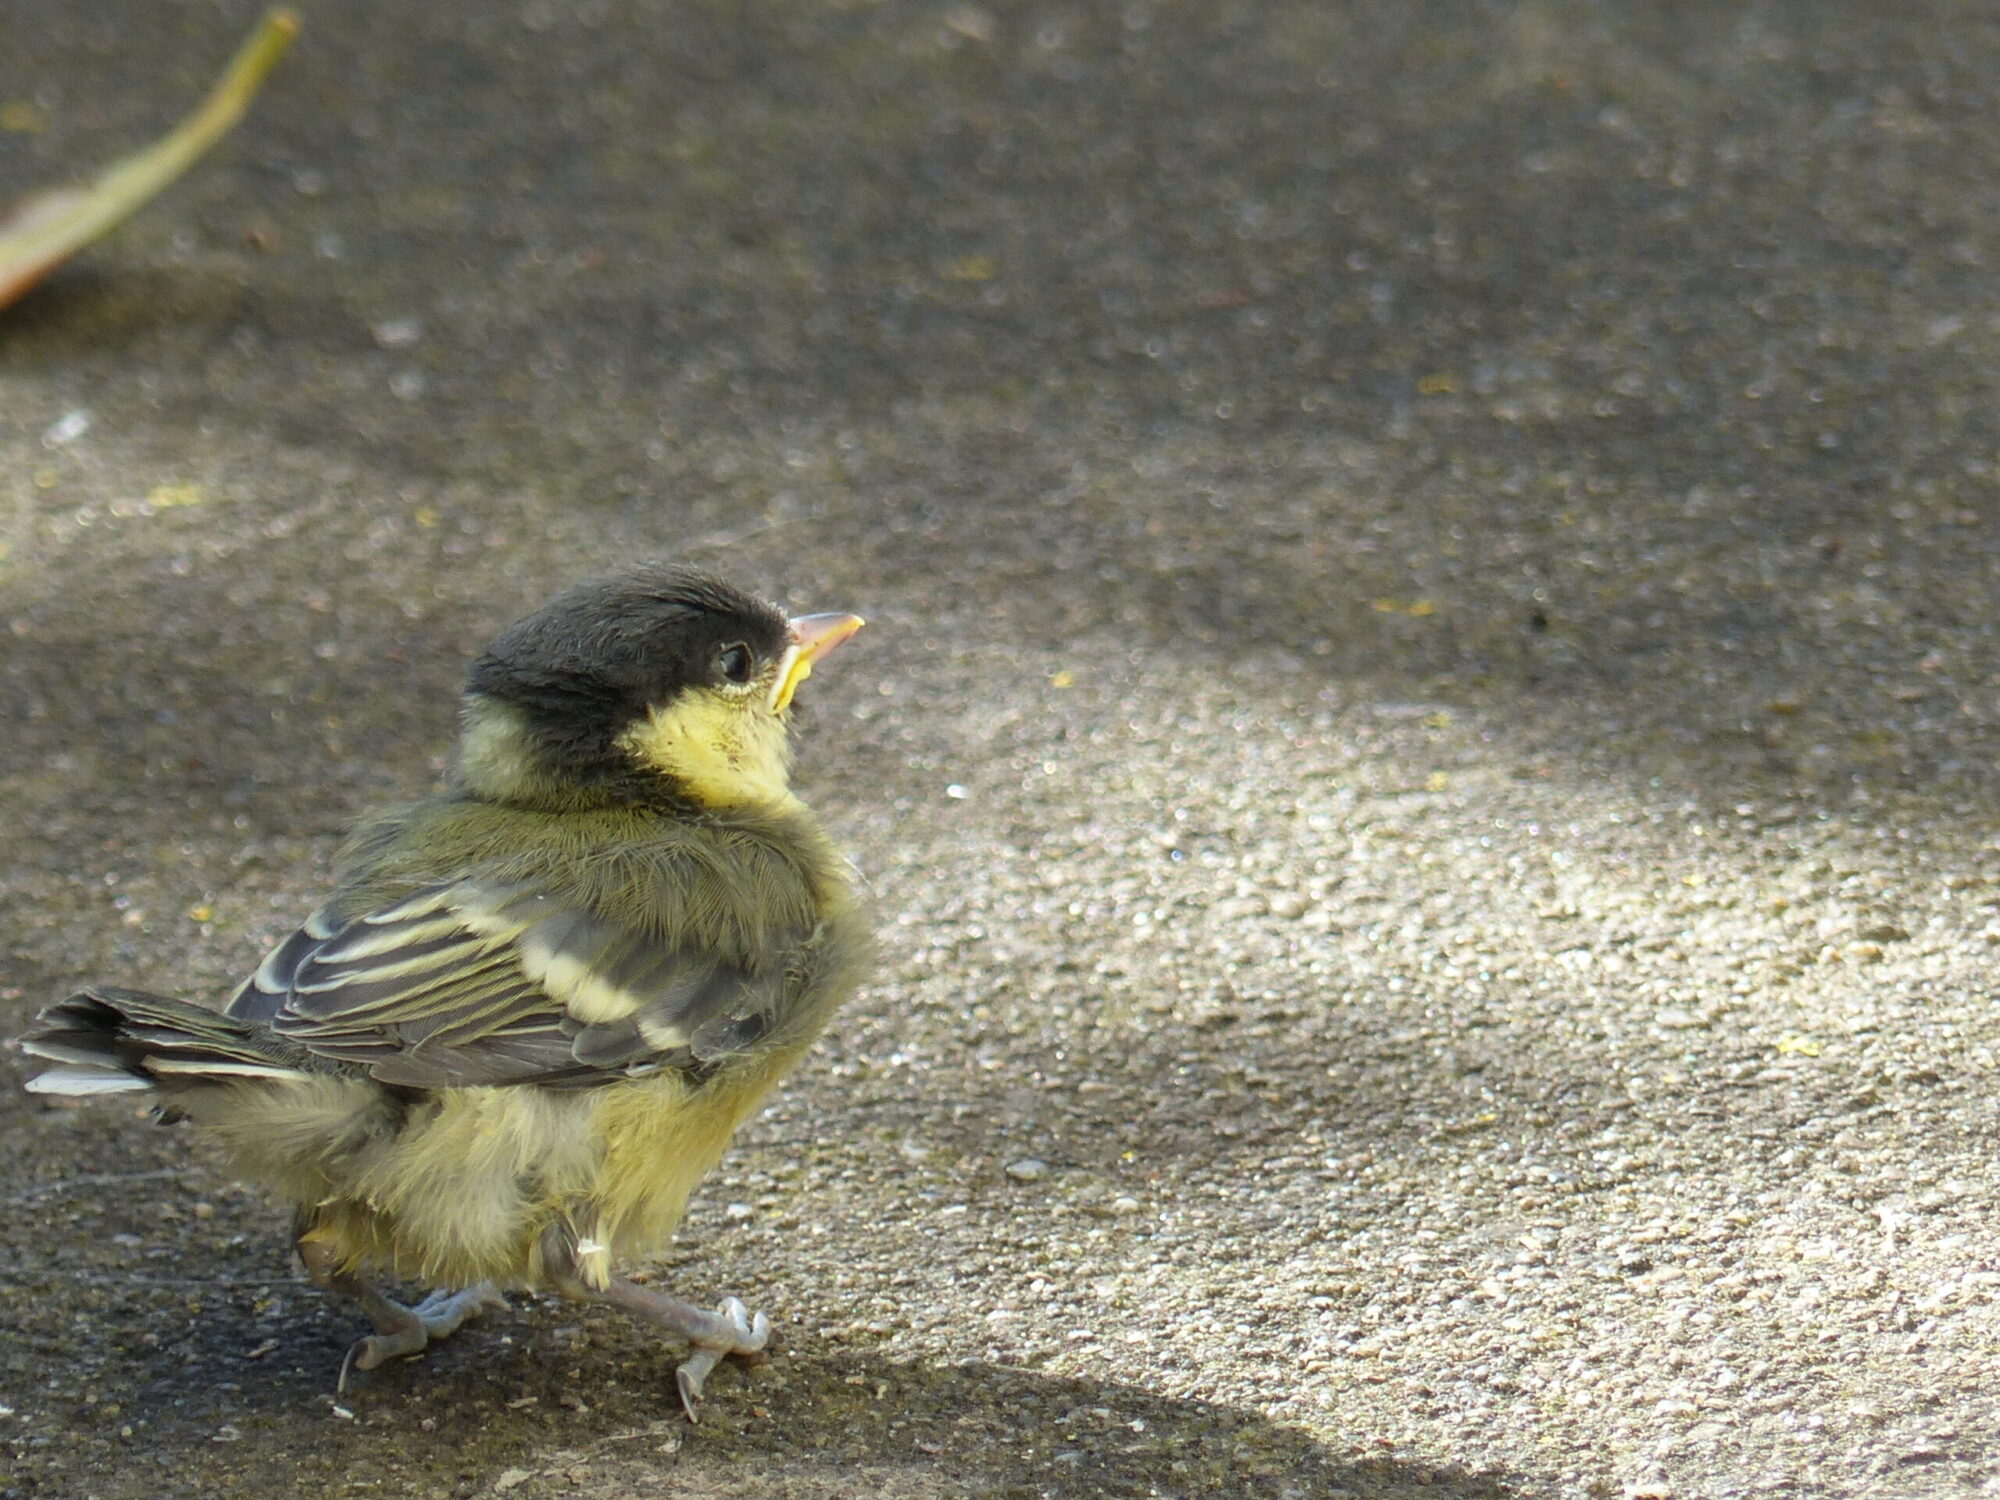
66	429
398	333
1027	1170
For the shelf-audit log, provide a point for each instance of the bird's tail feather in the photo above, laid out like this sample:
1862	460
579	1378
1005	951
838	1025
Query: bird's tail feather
109	1041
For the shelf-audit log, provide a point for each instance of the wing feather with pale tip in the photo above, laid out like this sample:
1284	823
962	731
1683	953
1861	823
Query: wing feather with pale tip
477	983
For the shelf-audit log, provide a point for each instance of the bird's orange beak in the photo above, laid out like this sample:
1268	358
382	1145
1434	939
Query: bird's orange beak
813	636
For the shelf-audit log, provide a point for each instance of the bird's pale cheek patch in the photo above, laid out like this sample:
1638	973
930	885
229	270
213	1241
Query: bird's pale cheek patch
494	755
722	750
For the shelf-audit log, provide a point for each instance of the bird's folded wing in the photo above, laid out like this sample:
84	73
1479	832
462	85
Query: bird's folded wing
479	983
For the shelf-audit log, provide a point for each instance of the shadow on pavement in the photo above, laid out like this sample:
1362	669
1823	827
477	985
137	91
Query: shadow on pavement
551	1411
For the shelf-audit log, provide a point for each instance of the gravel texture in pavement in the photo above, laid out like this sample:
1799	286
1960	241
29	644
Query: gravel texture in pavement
1425	751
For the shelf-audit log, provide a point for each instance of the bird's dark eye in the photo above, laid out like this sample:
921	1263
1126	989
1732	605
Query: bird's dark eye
733	662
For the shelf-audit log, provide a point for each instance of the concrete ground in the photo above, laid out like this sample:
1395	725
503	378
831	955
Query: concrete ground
1425	753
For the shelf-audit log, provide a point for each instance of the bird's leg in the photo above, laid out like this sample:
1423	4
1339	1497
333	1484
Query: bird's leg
731	1329
399	1330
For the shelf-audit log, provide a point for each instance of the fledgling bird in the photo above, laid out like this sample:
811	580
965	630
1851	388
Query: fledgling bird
537	1005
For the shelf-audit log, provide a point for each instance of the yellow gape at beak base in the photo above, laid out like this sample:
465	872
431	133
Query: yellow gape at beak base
813	636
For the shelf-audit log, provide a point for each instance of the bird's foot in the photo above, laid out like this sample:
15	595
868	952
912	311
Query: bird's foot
733	1329
443	1313
403	1331
392	1339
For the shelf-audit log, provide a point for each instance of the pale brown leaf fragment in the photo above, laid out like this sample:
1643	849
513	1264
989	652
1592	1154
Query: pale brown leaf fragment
41	231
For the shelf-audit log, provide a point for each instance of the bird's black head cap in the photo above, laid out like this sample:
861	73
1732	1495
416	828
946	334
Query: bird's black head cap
597	658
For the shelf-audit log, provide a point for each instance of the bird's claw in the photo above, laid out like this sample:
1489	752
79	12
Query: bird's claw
347	1367
368	1352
